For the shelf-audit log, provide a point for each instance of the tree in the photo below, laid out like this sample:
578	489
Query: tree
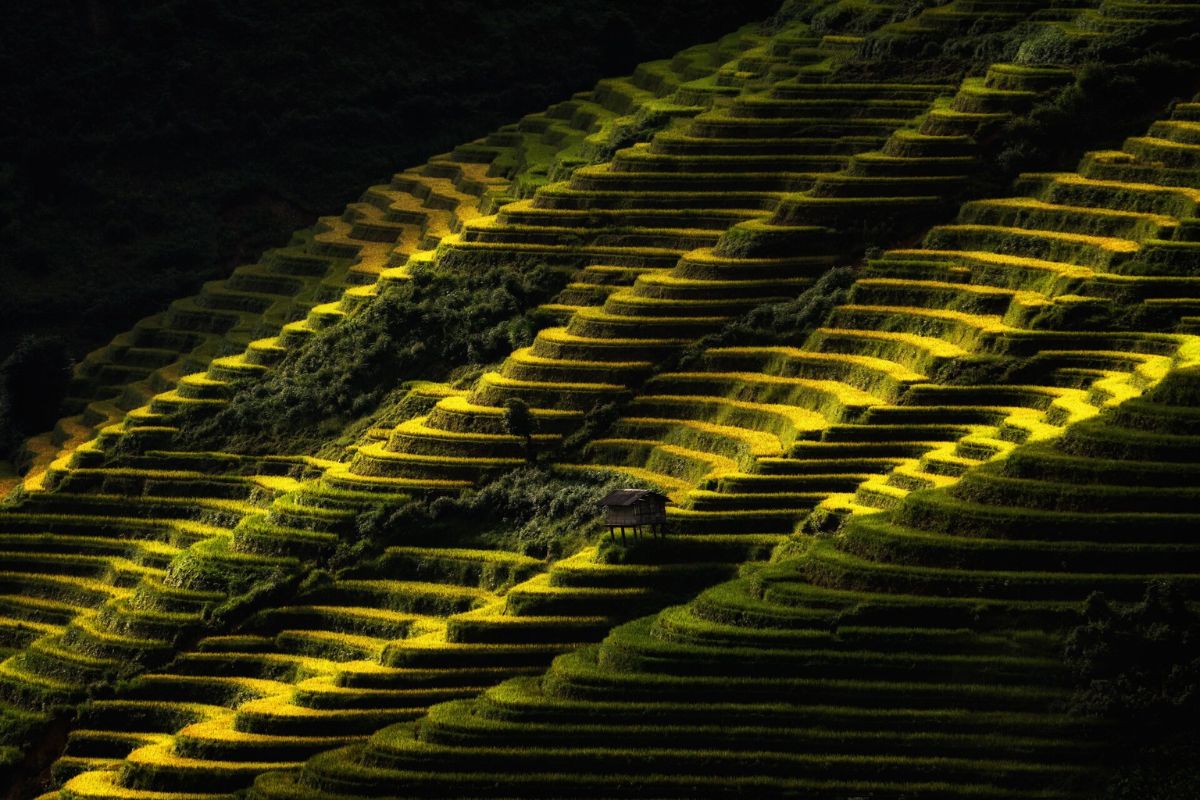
1139	664
520	422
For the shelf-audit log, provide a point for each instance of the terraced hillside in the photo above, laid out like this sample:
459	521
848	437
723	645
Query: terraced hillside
228	615
960	720
243	324
912	655
113	534
303	523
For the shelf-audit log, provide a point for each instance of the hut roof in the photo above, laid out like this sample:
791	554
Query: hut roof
627	497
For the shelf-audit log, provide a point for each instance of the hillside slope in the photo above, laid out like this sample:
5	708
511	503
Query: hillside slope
272	549
912	655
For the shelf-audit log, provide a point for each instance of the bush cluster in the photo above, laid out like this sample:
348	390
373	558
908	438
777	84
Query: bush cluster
532	510
1114	96
439	320
1139	666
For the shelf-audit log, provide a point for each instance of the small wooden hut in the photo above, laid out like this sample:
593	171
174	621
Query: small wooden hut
635	509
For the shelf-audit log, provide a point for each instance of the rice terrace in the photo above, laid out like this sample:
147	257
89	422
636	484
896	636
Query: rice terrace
805	403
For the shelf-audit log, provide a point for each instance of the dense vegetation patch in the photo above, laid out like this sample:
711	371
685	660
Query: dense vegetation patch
1118	91
1122	84
533	510
441	319
16	731
1139	667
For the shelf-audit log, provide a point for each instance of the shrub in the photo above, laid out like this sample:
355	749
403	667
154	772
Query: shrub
17	728
596	422
1047	45
520	422
626	132
531	510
